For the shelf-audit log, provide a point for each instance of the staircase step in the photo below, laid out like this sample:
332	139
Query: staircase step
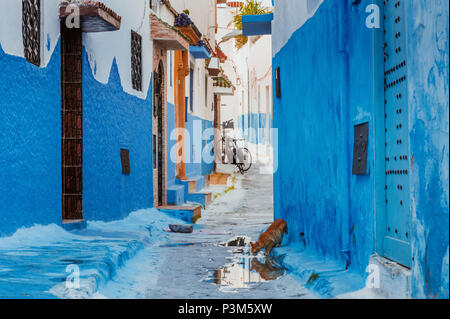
192	184
189	186
188	214
218	179
175	195
73	224
203	198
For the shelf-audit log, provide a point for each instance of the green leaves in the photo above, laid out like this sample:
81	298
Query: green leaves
250	7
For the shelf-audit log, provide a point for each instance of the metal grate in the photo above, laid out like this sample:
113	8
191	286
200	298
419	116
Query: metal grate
360	148
71	123
31	30
136	61
125	160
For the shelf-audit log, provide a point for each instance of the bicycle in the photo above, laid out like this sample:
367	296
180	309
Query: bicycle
241	156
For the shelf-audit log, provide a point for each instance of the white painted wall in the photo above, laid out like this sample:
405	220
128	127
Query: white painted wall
102	48
252	64
170	77
289	16
202	13
234	67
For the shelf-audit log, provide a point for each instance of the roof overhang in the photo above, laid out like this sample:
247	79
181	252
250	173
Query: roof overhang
231	35
257	24
168	36
94	16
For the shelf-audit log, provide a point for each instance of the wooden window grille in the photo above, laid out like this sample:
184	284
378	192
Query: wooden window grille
31	30
125	159
136	60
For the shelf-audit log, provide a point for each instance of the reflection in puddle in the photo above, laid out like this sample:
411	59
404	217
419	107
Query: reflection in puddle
245	271
267	270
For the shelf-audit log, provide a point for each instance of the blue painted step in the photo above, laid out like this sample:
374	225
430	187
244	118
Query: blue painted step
193	190
203	198
175	195
77	224
193	184
188	214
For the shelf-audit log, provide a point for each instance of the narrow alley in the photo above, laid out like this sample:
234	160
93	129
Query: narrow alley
224	149
138	258
210	269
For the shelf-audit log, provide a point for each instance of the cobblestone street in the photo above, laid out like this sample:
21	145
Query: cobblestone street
197	265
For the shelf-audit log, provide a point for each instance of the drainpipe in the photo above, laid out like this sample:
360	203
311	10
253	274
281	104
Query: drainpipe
344	101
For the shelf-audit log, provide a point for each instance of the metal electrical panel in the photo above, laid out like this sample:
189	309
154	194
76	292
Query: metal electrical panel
360	148
125	159
277	82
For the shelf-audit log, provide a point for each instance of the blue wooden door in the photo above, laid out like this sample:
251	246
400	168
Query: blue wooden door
396	242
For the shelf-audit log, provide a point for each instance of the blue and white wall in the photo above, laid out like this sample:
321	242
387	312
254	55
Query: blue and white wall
115	116
325	54
201	116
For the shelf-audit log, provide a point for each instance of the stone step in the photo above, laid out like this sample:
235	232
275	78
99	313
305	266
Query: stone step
186	213
218	179
73	224
193	191
193	184
203	198
175	195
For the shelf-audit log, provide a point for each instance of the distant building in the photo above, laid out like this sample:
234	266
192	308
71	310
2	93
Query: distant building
250	67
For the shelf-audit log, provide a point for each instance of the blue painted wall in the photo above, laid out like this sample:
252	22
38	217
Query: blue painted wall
195	144
171	170
328	90
429	133
30	162
113	120
30	141
208	147
253	127
311	185
195	164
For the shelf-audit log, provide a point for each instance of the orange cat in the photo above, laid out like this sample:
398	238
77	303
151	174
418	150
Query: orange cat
271	237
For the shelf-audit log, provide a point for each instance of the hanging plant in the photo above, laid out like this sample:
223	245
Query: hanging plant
183	20
251	7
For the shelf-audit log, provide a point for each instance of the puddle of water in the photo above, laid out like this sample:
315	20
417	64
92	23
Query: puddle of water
245	271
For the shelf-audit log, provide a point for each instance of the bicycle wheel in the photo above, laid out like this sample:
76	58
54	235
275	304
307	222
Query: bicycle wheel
245	166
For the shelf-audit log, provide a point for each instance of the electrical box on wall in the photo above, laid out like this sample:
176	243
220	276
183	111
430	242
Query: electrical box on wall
277	82
360	149
125	160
